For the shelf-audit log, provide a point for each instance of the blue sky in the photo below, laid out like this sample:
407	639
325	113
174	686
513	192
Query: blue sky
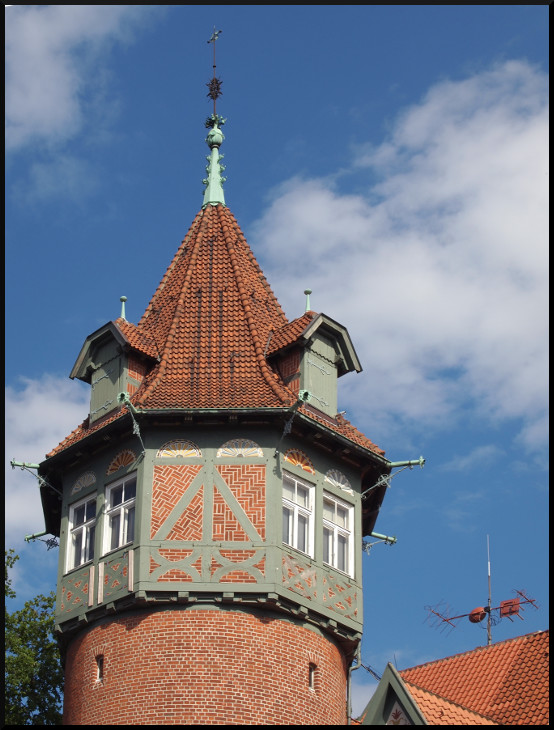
394	159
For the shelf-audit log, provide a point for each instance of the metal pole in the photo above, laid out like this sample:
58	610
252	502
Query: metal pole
489	636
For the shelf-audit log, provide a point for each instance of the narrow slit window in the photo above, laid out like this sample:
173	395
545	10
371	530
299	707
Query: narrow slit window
311	675
100	668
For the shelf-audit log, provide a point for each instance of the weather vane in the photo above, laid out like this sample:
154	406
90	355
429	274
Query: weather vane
214	85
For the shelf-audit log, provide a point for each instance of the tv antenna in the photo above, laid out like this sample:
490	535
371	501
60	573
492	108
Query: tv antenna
441	616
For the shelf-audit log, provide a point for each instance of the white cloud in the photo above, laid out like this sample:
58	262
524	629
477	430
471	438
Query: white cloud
54	56
484	455
39	414
439	270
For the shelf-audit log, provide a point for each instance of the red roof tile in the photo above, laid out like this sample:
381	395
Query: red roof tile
438	711
208	329
507	681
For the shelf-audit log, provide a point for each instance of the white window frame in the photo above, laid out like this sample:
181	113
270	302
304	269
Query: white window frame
80	541
300	514
337	531
120	511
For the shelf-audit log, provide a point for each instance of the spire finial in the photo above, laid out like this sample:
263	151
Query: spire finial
214	85
122	300
307	292
213	194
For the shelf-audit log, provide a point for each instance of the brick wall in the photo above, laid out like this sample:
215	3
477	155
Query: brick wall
205	667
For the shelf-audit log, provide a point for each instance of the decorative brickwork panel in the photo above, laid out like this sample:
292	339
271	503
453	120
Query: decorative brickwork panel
238	566
289	367
75	591
175	565
124	458
328	589
226	526
170	483
136	369
189	525
115	580
247	485
202	667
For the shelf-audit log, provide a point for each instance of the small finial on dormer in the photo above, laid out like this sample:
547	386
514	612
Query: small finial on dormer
307	292
122	300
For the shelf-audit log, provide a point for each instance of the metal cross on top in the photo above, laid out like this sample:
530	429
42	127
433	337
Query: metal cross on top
214	85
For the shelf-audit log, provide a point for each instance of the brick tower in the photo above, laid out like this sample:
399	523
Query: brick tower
209	508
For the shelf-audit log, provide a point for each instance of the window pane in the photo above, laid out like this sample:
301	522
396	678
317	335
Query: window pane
90	543
79	515
77	547
130	524
91	510
302	495
114	529
342	553
287	525
342	516
302	541
328	510
116	496
327	544
131	489
288	489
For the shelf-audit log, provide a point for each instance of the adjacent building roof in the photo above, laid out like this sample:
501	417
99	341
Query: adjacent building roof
506	683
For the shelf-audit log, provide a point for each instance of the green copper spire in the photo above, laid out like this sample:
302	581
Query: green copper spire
213	194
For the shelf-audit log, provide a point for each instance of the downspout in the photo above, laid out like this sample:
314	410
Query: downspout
349	681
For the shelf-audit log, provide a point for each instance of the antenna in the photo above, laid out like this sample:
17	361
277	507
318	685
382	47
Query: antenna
489	634
441	616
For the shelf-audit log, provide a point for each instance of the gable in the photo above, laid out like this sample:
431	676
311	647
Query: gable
392	704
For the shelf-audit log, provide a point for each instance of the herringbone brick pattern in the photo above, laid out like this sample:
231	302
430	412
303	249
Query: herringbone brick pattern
189	524
247	483
226	527
170	483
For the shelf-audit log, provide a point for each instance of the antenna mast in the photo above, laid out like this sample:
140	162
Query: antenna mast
489	633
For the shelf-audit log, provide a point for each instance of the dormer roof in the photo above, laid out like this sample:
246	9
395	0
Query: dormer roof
301	330
126	335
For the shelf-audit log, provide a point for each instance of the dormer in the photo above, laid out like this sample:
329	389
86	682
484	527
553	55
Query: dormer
113	360
310	354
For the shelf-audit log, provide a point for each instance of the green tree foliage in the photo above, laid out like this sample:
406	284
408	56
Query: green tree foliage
33	672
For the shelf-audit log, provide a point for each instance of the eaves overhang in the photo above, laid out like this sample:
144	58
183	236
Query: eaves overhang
81	370
342	440
339	333
83	367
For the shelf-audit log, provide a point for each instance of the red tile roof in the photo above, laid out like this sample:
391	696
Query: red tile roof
212	316
438	711
208	330
507	682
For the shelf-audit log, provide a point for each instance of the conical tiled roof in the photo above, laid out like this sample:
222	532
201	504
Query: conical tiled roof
211	318
213	328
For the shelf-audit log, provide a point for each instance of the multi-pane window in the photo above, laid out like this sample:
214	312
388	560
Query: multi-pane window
298	514
120	513
82	524
337	533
